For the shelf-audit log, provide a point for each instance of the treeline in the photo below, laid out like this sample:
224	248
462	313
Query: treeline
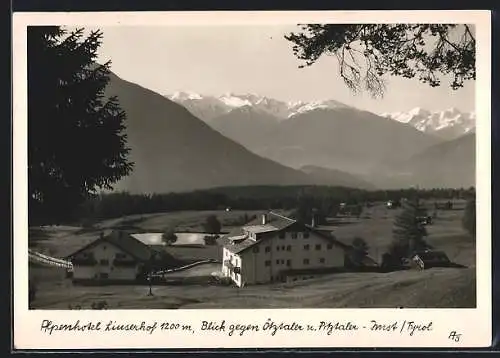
250	198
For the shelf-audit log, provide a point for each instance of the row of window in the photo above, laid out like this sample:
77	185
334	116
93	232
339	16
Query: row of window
118	255
305	235
289	248
289	262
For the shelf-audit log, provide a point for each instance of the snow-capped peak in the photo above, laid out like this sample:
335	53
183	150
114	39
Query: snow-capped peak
448	123
232	100
302	107
184	95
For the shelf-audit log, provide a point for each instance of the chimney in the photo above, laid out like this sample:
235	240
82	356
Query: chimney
313	221
264	219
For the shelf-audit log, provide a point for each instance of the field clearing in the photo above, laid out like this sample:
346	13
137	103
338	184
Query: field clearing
376	225
438	287
433	288
60	241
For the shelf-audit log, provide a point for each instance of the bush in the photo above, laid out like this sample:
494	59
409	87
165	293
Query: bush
211	239
212	225
169	237
99	305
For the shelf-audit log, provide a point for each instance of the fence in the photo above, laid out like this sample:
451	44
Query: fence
176	269
39	258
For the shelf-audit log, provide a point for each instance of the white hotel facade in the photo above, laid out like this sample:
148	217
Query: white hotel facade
275	248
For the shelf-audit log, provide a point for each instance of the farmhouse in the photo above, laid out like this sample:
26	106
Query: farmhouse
276	248
114	257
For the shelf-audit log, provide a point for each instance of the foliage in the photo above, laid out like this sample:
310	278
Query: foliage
359	251
211	239
99	305
360	245
212	225
408	232
169	237
250	198
75	135
469	218
367	52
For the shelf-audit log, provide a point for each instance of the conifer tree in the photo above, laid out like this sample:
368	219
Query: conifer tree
76	138
408	232
368	52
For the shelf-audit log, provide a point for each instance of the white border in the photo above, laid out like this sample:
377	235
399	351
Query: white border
473	324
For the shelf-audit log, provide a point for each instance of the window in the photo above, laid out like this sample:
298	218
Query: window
267	263
104	262
306	247
281	235
322	260
288	248
305	235
277	262
283	248
294	235
282	262
277	248
329	246
255	249
289	263
306	261
318	247
268	248
104	247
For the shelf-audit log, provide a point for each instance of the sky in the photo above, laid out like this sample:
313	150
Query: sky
214	60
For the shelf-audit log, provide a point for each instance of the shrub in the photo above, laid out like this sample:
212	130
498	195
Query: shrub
99	305
212	225
169	237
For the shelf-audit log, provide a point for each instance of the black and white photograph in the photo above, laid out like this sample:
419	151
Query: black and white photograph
237	167
299	165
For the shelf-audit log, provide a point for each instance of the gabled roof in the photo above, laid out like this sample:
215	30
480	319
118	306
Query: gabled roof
274	222
125	242
430	255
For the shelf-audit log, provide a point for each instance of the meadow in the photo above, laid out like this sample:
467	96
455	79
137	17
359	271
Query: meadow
437	287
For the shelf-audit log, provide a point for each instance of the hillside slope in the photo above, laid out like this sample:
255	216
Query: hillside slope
175	151
326	176
449	164
345	139
246	125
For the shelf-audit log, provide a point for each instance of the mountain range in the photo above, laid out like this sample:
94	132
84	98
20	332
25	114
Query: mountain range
209	107
174	151
185	142
447	124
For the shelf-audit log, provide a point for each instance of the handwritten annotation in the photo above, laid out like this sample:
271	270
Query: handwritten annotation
269	327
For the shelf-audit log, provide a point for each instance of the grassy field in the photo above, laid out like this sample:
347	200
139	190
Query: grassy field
432	288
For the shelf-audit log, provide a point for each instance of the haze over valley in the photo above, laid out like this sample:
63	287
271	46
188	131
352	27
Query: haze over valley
186	141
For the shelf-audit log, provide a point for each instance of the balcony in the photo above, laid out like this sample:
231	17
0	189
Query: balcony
231	266
84	261
124	263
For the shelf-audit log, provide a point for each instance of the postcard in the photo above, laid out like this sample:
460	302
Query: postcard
252	179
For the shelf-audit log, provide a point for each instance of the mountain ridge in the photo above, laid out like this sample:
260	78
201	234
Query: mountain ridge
447	124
